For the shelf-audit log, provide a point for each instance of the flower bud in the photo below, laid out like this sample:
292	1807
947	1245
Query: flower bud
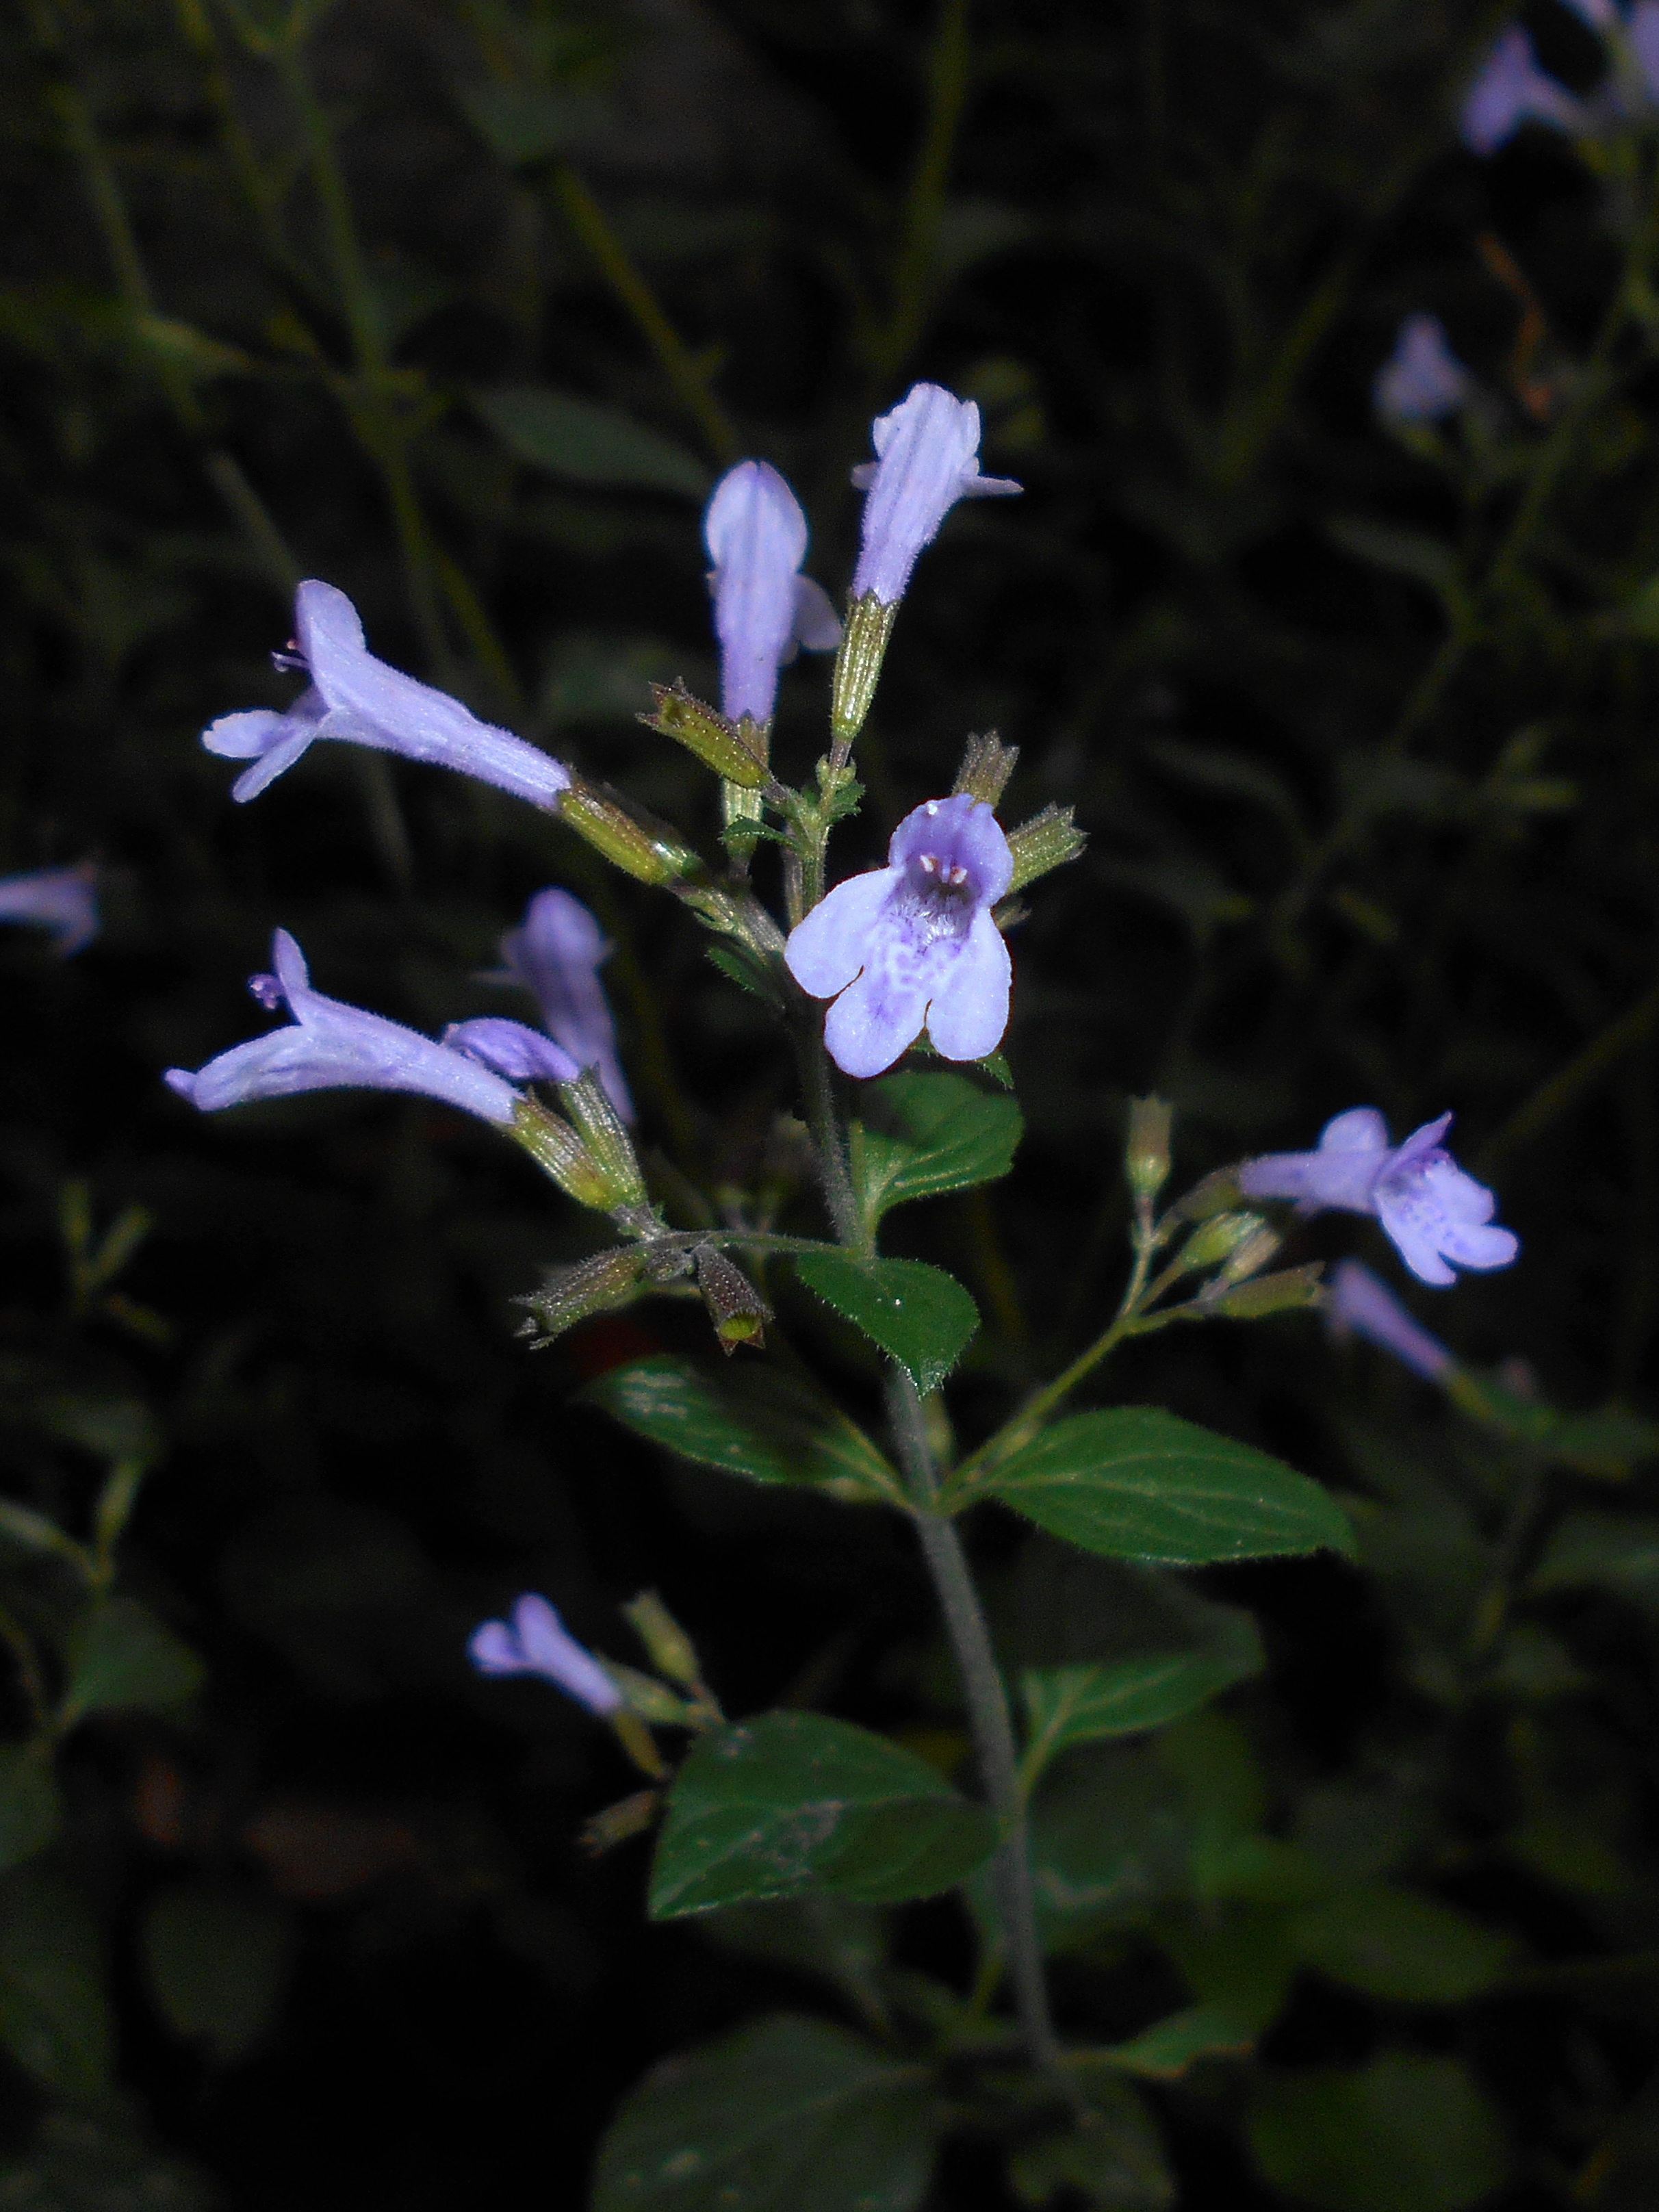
1254	1252
558	1152
1212	1193
617	1823
1270	1294
609	1280
987	765
605	1137
649	850
645	1695
736	1308
1146	1154
672	1652
1048	841
858	664
1219	1238
742	813
736	751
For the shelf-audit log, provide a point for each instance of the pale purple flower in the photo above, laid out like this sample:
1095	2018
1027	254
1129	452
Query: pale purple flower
63	900
1512	90
914	943
755	534
1433	1211
330	1046
359	699
1422	379
1361	1305
521	1054
927	458
555	954
534	1641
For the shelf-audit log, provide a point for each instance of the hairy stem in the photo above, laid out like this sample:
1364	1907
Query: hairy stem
988	1719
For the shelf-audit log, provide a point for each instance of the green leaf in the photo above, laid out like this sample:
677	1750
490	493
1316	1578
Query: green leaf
794	1801
919	1314
1401	1945
1608	1445
32	1532
1137	1483
788	2115
1427	561
525	122
924	1133
1116	2162
54	2014
1618	1552
1066	1706
121	1656
31	1810
757	1425
217	1961
587	443
844	1941
1170	2047
1108	1844
1406	2134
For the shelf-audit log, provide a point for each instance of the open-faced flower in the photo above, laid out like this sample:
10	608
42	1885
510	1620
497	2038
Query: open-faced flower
914	944
329	1046
534	1641
1422	381
1433	1211
1511	89
926	459
755	534
555	954
355	697
1359	1305
63	900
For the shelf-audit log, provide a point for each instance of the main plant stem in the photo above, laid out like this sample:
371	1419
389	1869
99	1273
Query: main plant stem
988	1719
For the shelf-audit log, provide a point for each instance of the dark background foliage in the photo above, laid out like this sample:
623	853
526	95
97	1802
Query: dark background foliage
1363	742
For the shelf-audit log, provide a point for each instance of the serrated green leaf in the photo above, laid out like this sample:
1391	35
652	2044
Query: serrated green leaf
1408	2133
54	2014
920	1314
1068	1706
757	1424
924	1133
122	1655
1137	1483
795	1801
1399	1945
31	1810
787	2115
586	443
217	1960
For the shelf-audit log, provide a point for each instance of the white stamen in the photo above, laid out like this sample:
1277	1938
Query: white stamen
928	864
932	806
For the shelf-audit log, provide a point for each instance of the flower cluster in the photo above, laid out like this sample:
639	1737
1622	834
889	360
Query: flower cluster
1437	1218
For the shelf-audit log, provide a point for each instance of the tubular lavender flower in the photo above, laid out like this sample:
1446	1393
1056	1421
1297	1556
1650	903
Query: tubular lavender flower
1511	89
330	1046
534	1641
914	943
1360	1304
1422	381
927	458
1433	1213
62	900
755	535
355	697
555	954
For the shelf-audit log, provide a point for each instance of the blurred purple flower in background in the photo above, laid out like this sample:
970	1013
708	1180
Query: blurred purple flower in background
534	1641
1511	89
914	943
1433	1211
555	954
330	1046
355	697
927	458
1359	1305
755	534
1422	379
63	900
